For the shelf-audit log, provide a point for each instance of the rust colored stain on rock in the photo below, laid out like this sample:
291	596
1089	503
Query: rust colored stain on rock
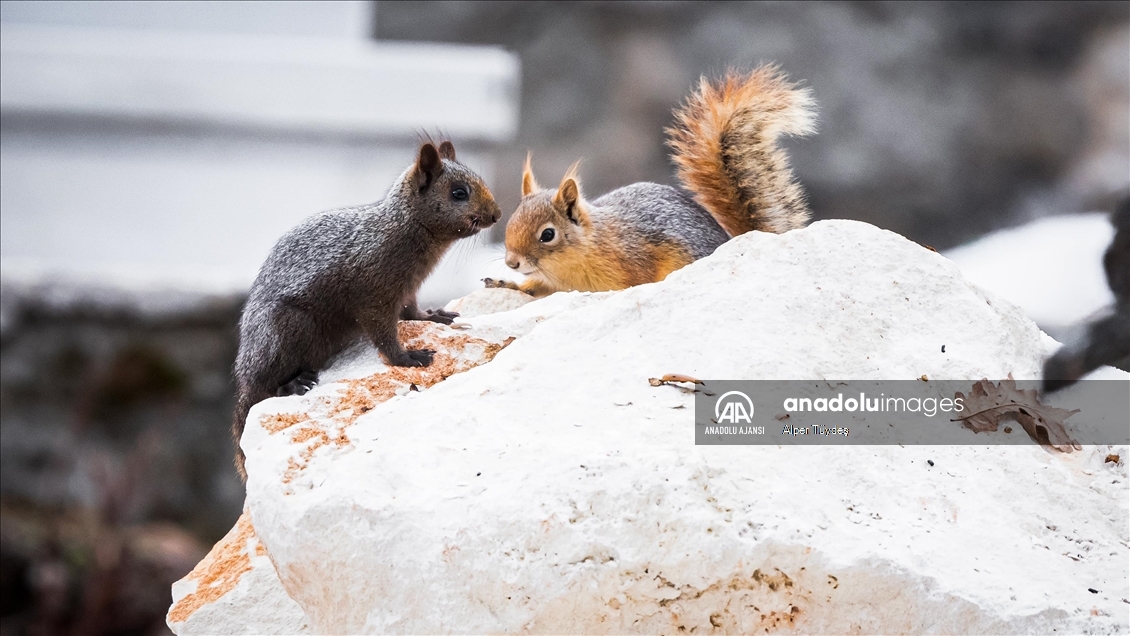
317	438
220	570
282	421
455	352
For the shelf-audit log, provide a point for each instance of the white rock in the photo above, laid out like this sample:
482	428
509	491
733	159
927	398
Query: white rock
488	301
555	490
235	590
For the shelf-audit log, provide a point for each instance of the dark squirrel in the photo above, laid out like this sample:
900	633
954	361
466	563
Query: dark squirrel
1105	339
354	272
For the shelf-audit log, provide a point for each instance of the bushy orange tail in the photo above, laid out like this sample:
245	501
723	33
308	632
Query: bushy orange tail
726	153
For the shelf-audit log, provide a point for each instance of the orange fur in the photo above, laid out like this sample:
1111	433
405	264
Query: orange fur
529	183
726	153
668	260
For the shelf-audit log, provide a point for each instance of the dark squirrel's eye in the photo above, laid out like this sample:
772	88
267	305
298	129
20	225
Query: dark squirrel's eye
547	235
459	193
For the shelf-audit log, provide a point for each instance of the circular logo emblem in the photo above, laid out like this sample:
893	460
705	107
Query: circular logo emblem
739	408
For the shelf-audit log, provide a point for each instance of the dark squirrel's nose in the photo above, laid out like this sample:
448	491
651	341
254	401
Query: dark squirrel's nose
512	261
489	217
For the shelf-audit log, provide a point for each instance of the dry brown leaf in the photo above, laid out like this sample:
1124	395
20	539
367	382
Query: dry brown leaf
673	377
988	404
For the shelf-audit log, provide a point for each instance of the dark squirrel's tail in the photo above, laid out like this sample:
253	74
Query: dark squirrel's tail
244	402
726	154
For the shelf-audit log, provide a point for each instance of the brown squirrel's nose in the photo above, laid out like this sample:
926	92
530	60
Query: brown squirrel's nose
512	261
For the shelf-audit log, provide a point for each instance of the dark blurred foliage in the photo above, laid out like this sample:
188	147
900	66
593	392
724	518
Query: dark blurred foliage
85	571
940	121
117	458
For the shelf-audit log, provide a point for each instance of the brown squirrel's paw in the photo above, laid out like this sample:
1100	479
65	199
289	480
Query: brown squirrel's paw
415	358
299	384
440	316
491	283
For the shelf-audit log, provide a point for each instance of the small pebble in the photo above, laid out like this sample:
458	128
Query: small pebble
1092	590
478	474
930	461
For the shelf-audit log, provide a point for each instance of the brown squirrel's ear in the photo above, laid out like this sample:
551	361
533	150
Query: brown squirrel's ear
447	151
568	196
428	167
529	183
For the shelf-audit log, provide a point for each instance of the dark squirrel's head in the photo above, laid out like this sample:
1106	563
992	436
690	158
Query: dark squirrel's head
452	201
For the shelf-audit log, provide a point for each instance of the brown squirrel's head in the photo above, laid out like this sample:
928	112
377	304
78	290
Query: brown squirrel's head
548	232
449	199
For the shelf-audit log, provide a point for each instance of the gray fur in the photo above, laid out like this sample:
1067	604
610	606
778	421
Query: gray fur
348	273
660	214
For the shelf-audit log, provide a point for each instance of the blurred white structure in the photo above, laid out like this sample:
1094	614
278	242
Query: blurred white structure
1051	268
174	142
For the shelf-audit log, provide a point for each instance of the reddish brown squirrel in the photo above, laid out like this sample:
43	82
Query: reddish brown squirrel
735	179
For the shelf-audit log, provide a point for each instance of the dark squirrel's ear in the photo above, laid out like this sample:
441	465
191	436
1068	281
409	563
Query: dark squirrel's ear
428	167
447	151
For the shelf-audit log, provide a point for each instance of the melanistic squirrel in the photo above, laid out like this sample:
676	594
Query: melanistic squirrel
1105	338
354	272
736	178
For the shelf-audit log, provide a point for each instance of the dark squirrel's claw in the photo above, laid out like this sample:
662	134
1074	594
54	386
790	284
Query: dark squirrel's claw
413	358
299	384
423	357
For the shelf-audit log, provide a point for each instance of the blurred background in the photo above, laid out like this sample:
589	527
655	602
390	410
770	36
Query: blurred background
151	153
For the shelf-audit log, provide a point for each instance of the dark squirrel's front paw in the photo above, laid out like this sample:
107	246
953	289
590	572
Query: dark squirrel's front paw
415	358
423	357
299	384
441	316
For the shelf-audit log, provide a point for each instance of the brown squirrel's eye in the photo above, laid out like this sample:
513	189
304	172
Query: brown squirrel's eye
459	193
547	235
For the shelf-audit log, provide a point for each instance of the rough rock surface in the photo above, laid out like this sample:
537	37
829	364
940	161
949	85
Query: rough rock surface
555	490
235	590
488	301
